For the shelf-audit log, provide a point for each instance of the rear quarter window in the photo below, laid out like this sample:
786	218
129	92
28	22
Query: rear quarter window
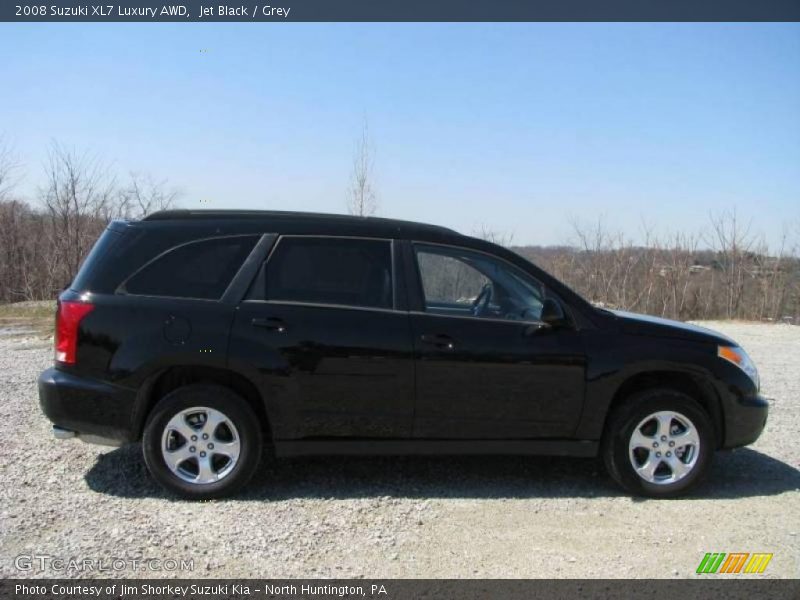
201	269
104	250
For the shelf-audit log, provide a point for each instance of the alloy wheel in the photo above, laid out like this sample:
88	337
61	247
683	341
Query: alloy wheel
200	445
664	447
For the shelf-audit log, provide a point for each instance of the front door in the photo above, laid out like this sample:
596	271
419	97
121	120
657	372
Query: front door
333	353
487	368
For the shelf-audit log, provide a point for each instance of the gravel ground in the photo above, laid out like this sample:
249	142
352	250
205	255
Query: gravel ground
443	517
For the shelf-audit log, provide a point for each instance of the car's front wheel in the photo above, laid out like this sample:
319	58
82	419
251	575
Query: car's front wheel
659	443
202	441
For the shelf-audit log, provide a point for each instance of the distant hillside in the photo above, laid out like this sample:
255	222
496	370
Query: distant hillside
678	282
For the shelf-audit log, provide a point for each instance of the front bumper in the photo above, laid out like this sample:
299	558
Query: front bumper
94	411
745	419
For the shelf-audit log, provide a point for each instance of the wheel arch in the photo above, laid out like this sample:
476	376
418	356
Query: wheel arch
690	384
171	378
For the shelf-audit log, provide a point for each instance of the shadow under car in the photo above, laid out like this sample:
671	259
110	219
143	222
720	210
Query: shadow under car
734	474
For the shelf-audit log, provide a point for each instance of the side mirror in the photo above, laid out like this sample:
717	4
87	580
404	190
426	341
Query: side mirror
553	313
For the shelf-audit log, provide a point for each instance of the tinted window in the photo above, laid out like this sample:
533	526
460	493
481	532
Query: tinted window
201	269
102	251
446	279
349	272
473	284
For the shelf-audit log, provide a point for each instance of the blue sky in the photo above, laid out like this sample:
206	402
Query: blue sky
516	127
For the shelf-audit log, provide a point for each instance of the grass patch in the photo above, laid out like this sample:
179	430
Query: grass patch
17	319
28	310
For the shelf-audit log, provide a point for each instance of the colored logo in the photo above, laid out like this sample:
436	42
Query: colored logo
734	563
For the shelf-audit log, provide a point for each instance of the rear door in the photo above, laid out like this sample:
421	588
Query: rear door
323	328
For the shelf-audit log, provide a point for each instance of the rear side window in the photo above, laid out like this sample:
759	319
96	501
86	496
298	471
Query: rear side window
103	251
342	271
202	269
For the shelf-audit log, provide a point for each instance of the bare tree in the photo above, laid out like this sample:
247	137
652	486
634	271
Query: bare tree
144	195
361	197
496	237
78	197
42	247
733	275
20	234
9	165
654	277
732	242
592	261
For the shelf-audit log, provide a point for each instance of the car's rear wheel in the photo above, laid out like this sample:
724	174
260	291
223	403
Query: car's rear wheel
658	443
202	441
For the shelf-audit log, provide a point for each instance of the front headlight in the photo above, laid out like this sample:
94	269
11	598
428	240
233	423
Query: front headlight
740	358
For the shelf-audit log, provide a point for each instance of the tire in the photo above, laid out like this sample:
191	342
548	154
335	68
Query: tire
198	459
642	437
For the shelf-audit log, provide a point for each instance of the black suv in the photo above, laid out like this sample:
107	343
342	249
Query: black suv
208	334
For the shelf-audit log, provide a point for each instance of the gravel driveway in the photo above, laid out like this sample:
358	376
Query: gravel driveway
442	517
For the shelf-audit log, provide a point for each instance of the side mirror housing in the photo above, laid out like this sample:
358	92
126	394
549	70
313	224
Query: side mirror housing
553	313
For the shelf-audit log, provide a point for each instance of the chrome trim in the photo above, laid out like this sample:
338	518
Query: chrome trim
485	319
63	434
392	310
392	241
337	237
322	305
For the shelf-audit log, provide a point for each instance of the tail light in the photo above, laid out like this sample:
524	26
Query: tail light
68	317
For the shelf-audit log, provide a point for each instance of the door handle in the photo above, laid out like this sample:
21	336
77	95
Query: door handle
440	340
270	324
535	328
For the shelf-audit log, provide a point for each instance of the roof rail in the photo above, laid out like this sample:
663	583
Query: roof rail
183	213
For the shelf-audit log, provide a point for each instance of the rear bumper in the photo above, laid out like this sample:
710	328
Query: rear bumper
92	410
745	419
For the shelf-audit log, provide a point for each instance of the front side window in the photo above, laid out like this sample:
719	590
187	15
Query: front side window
340	271
202	269
460	282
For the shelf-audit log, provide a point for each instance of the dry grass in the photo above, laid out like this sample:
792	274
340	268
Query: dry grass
27	318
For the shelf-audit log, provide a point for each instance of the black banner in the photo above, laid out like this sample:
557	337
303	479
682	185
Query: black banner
405	10
712	588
